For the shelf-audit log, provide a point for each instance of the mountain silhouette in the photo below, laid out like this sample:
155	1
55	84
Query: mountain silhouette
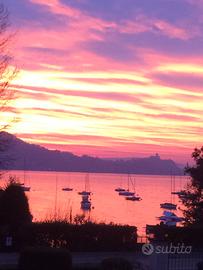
21	155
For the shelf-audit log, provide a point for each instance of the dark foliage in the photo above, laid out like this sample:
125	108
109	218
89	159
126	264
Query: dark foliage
193	199
45	258
84	237
14	207
192	236
116	264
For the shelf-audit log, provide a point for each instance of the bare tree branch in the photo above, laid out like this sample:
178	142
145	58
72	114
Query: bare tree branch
7	74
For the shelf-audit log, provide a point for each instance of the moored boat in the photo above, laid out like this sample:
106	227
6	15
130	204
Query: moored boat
170	218
85	203
126	193
87	187
133	198
84	193
67	189
25	188
179	193
119	189
170	206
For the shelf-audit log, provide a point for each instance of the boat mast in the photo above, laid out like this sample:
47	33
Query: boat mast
128	181
24	170
56	196
87	183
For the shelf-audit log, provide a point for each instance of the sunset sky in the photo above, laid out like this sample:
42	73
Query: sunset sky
109	78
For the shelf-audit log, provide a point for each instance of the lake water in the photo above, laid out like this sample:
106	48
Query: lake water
46	197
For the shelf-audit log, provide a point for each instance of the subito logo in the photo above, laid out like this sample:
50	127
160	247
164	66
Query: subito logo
147	249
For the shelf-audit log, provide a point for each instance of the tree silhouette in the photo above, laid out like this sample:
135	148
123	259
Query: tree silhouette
193	197
7	73
14	207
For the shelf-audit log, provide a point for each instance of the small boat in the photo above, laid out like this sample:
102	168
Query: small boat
119	189
25	188
67	189
126	193
85	203
23	185
170	206
87	187
179	193
83	193
169	218
185	196
133	198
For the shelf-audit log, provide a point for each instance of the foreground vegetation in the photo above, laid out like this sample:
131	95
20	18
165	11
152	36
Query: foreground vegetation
192	232
77	235
193	199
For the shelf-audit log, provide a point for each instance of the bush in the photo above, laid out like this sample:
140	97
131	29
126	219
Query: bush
14	207
77	238
191	236
116	264
14	214
45	258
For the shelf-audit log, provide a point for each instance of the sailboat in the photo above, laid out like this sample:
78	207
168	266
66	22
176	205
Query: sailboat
127	192
67	188
133	197
85	203
180	193
26	188
170	205
85	191
23	185
119	189
170	218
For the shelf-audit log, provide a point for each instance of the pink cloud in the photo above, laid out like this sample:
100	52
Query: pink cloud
139	110
83	23
143	24
80	19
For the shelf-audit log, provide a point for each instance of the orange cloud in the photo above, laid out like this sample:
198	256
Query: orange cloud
87	100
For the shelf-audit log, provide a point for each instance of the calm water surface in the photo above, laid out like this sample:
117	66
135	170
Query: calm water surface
47	198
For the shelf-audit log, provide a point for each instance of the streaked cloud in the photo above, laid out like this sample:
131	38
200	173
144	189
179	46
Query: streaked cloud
109	78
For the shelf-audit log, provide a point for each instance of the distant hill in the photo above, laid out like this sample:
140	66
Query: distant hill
26	156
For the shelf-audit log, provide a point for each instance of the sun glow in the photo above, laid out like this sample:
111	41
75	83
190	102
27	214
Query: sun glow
102	84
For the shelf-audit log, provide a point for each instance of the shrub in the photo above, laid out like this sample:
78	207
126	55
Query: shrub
116	264
14	207
85	237
14	214
45	258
